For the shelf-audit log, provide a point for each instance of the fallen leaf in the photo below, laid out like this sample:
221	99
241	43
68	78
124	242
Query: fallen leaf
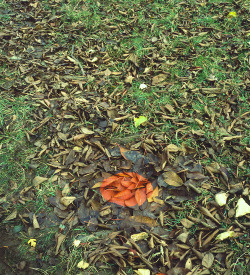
232	14
172	148
208	260
32	242
225	235
38	180
242	208
145	220
154	194
66	201
82	265
142	271
140	121
129	79
221	198
35	222
11	216
59	240
139	236
158	79
76	243
171	178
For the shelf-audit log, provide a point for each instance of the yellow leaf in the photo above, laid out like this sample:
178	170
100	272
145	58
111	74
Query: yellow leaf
32	242
232	14
97	185
139	236
142	272
82	265
154	194
225	235
140	120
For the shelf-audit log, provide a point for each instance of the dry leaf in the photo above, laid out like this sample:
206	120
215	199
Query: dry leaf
66	201
59	240
142	271
158	79
139	236
186	223
221	198
38	180
172	148
225	235
82	265
129	79
242	208
35	222
12	216
208	260
146	220
171	178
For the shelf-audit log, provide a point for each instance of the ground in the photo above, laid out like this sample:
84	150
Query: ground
124	137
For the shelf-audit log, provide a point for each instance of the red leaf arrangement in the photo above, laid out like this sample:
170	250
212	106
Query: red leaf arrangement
126	189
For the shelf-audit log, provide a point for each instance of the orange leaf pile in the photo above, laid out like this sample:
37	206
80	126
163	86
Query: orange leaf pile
126	189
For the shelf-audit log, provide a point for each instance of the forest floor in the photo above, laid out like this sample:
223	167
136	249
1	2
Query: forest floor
124	137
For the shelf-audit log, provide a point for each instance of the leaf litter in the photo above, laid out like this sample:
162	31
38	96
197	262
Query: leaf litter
148	203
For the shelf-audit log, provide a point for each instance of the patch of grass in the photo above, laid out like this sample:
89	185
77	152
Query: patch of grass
14	122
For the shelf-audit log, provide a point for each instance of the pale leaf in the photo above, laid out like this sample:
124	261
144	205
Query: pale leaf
221	198
225	235
140	120
82	265
242	208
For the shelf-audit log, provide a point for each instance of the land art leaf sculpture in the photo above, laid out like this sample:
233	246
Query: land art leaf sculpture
126	189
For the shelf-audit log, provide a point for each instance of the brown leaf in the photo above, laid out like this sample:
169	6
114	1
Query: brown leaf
59	240
145	220
171	178
208	260
158	79
67	200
